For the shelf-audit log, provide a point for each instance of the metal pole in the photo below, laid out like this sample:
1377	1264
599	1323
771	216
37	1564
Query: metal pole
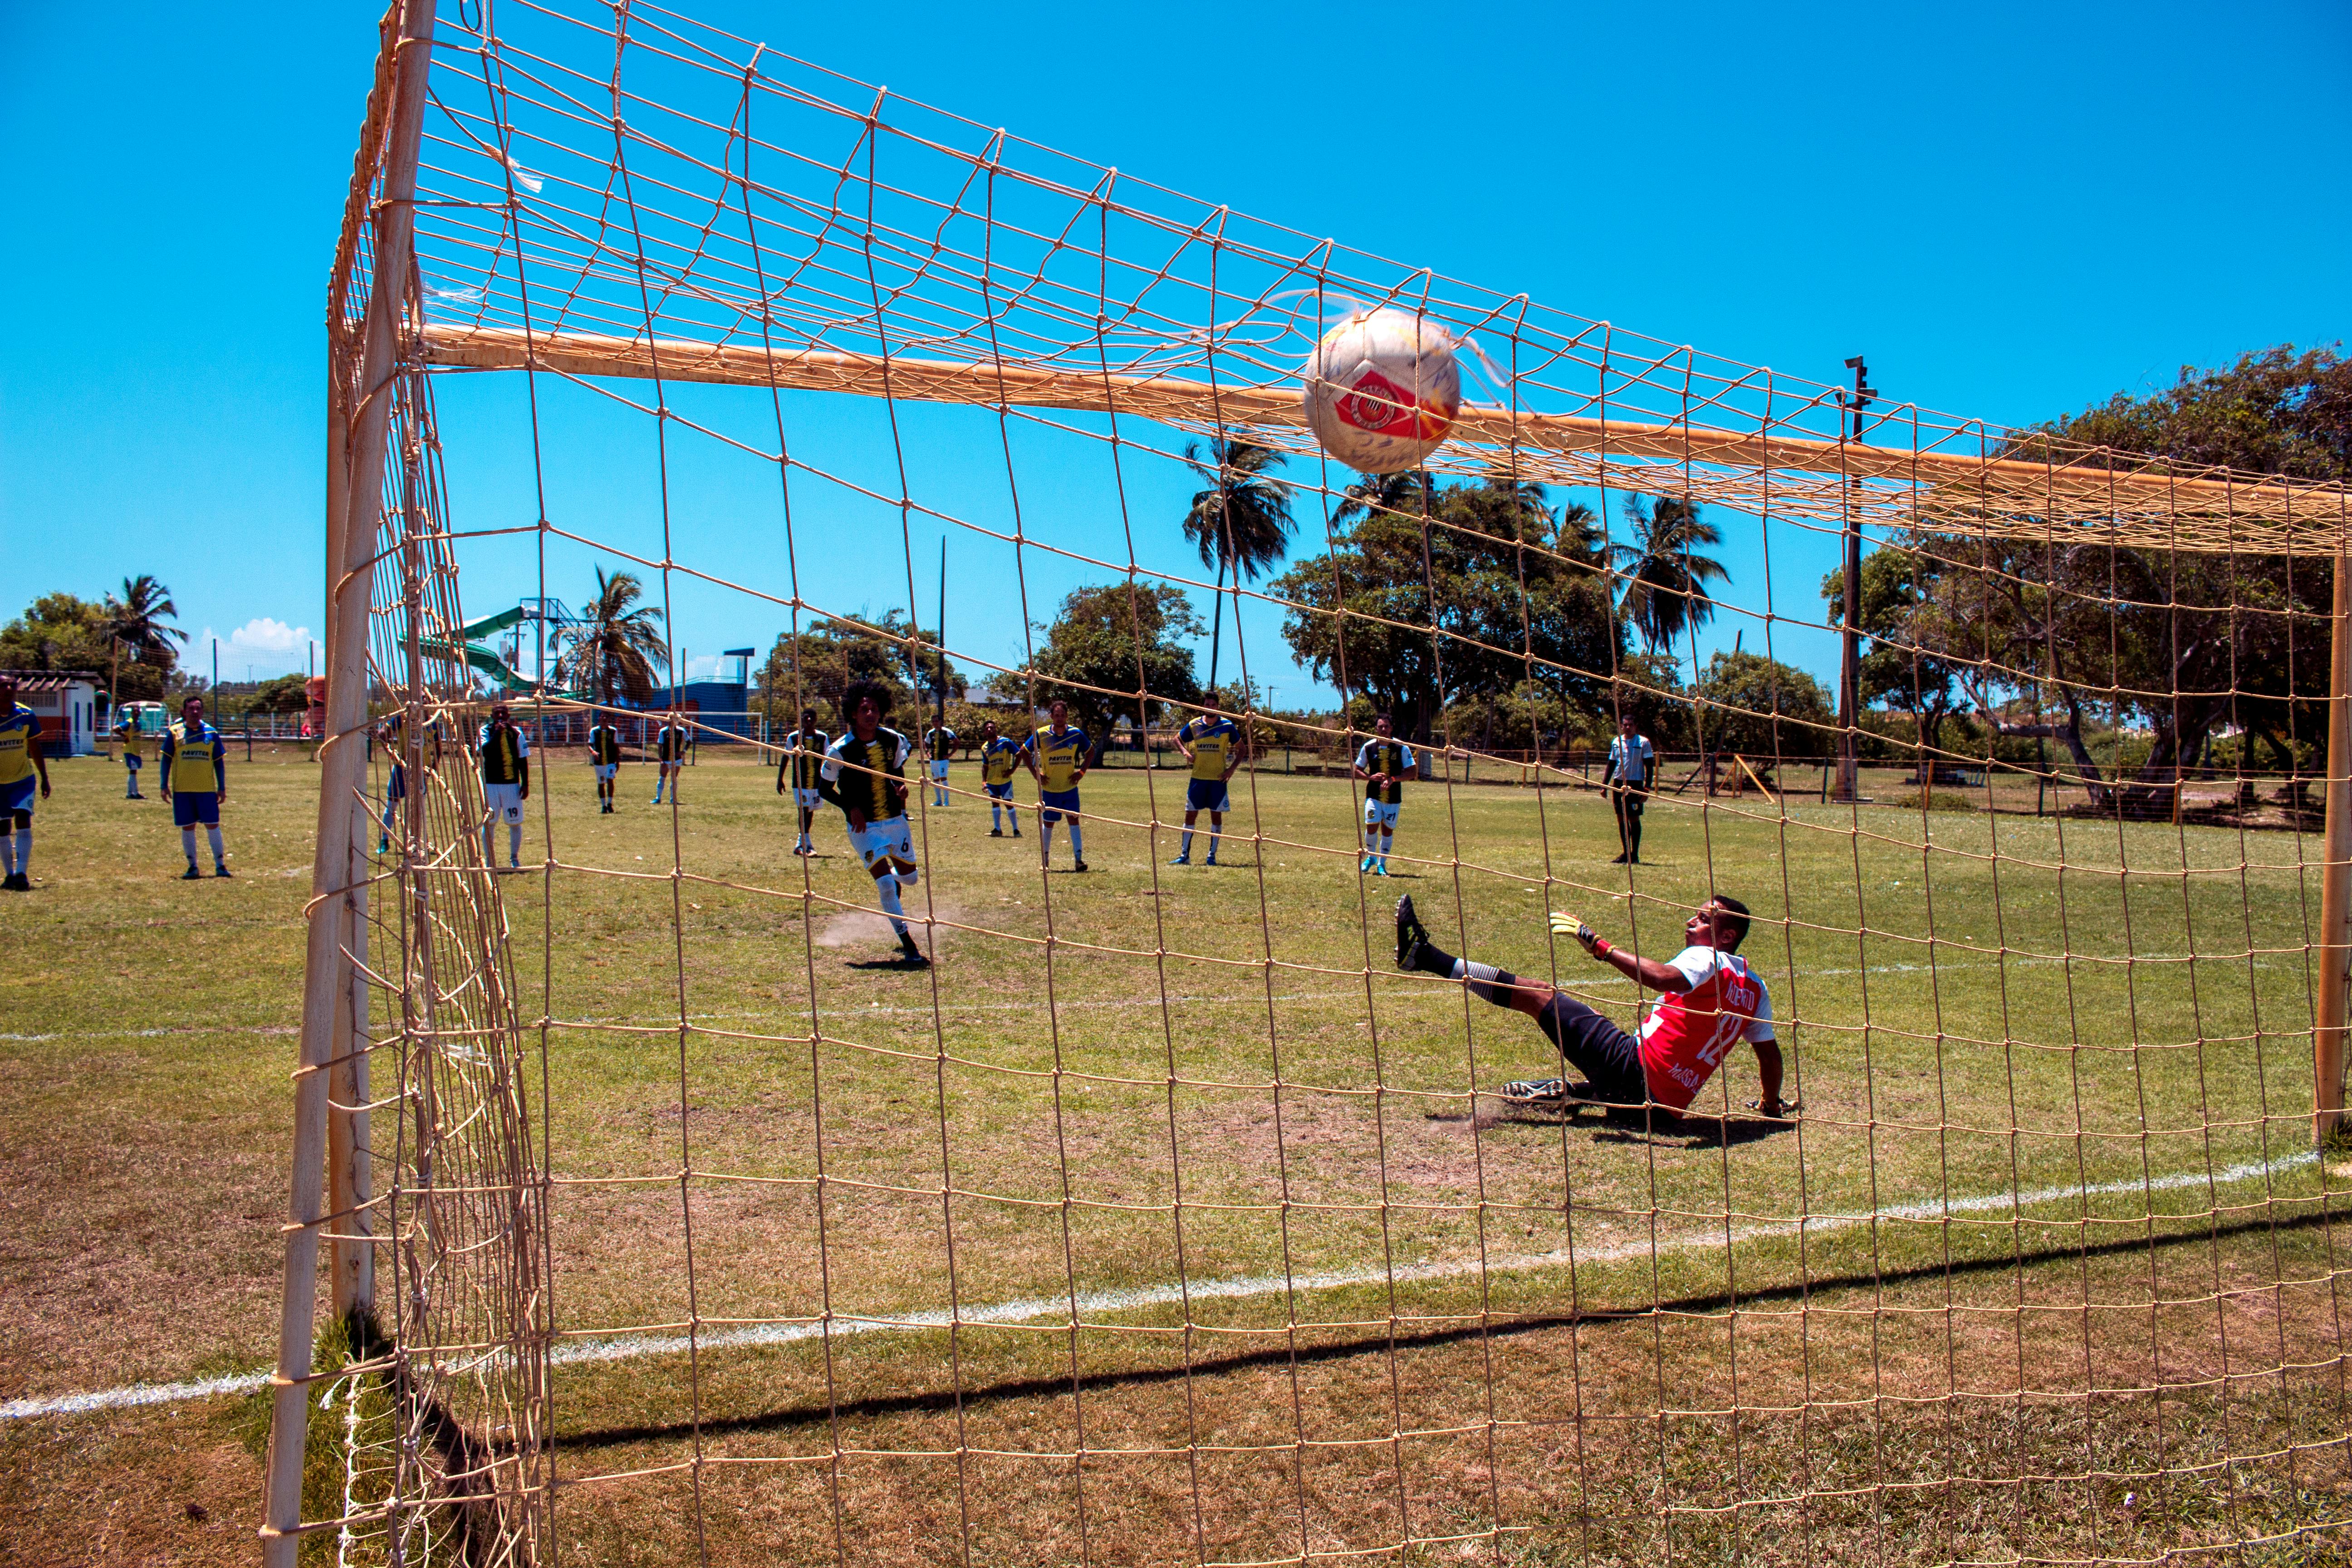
336	913
2335	883
216	692
1850	655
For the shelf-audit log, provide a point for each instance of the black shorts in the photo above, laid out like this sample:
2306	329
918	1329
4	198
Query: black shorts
1608	1058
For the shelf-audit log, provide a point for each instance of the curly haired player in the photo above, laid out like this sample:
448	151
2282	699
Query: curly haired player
1708	1000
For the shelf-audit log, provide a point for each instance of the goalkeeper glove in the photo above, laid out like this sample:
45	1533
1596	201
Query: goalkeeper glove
1568	925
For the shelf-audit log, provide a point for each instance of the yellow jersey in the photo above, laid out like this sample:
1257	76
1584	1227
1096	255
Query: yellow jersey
999	761
1213	742
18	732
195	758
1061	754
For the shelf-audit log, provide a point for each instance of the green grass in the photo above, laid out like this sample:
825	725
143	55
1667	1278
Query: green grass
1153	1073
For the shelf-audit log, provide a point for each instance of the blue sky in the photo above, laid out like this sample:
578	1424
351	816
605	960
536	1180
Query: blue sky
2013	211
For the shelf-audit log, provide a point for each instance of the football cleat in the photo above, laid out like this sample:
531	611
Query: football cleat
1410	934
1536	1091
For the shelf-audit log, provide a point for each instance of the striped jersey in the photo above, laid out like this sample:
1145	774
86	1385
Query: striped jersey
868	777
670	745
195	758
1061	755
605	744
505	754
941	740
803	758
1390	757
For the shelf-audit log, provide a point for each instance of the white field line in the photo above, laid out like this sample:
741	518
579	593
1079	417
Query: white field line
1064	1309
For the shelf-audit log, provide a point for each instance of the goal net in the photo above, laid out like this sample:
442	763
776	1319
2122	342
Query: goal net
650	1203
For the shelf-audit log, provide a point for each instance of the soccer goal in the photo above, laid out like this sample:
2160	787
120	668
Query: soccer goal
1219	1205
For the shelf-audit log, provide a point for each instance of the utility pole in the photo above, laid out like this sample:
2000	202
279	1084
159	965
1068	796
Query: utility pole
1849	779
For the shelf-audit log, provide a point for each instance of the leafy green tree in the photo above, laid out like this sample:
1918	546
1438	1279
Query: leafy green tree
618	647
1761	708
821	662
1902	619
1107	636
1241	523
1665	576
2278	411
1443	600
57	631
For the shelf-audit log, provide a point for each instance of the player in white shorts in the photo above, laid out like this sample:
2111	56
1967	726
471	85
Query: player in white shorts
1382	765
504	752
864	773
669	750
798	770
940	742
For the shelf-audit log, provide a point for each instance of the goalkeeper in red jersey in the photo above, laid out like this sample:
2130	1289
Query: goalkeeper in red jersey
1709	1001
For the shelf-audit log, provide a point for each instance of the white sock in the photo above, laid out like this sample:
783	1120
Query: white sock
1214	834
220	852
1371	840
888	890
1186	848
908	878
8	854
514	843
23	851
1386	839
1077	845
1481	978
188	843
995	816
1046	840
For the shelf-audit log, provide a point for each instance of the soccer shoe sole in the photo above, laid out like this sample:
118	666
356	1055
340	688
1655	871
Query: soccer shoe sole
1409	932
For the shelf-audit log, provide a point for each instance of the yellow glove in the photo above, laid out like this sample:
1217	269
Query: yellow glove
1568	925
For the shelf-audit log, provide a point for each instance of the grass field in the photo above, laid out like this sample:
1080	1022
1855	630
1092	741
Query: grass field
2066	1288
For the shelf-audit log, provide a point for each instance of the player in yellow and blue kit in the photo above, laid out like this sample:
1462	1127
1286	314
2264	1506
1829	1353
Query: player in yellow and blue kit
1382	763
1212	745
1000	759
134	756
1058	756
21	763
196	781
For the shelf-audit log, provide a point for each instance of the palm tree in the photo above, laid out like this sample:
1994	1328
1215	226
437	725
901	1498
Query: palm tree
1581	534
1241	523
1408	494
135	621
1665	579
614	649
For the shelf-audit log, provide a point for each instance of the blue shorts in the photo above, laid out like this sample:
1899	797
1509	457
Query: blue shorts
1208	794
132	760
18	796
191	808
1052	803
1001	792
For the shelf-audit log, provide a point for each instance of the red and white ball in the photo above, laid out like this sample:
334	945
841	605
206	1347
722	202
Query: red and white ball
1382	389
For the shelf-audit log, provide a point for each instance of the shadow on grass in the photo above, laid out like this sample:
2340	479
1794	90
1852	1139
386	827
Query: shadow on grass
1802	1290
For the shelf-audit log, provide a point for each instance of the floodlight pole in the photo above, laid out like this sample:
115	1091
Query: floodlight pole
1849	771
2336	876
331	1030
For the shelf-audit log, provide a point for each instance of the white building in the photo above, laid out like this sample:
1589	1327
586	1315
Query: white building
66	702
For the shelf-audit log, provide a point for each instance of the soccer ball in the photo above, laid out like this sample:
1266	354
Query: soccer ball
1382	389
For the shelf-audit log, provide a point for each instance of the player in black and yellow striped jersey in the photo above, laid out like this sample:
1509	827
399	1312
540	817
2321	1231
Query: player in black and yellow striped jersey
1383	764
669	751
864	773
797	770
1000	759
1058	756
504	752
939	744
605	756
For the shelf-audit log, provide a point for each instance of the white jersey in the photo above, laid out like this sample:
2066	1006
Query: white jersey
1631	760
